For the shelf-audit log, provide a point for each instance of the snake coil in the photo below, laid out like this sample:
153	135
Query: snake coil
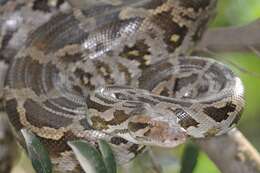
119	70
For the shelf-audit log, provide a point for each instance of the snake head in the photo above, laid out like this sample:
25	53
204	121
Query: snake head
152	131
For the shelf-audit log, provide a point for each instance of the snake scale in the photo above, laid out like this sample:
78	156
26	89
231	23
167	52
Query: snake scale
119	70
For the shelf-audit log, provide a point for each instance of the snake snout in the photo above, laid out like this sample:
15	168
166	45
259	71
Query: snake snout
168	136
149	131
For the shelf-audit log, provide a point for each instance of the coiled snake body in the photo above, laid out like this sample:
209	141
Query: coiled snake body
111	71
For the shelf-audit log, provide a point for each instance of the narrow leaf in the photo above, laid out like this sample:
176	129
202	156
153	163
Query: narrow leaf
37	153
108	156
189	158
88	156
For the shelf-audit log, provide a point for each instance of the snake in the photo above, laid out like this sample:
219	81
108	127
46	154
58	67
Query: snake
121	70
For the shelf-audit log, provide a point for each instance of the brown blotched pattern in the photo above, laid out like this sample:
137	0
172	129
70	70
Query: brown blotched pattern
111	72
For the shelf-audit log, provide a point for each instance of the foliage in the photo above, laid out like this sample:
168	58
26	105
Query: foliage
189	158
108	156
236	12
93	161
37	153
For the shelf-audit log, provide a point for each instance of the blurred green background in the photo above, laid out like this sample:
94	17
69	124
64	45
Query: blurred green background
240	12
230	12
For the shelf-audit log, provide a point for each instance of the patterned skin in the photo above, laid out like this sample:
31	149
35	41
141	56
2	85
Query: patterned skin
118	70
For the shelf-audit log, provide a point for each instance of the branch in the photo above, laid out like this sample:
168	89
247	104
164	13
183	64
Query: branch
231	39
232	153
7	145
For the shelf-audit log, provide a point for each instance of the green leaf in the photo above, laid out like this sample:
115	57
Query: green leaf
37	153
204	163
108	156
88	156
189	158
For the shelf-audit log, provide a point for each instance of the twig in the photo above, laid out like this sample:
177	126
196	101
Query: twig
156	166
232	153
232	39
256	52
7	145
228	61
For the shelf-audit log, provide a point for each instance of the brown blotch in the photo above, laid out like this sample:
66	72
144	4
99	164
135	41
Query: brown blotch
211	132
137	52
195	4
120	117
164	20
237	118
62	29
127	74
33	75
40	117
71	58
137	126
220	114
57	146
162	87
95	105
135	149
118	140
105	71
13	114
185	119
148	132
41	6
100	123
77	89
165	92
154	4
85	78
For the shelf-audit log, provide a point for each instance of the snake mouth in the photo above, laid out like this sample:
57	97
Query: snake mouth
167	137
148	131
